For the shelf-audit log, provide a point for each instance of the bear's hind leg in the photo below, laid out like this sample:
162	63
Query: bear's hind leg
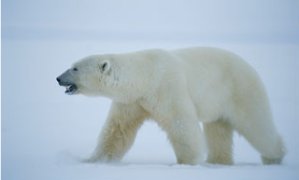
219	141
262	135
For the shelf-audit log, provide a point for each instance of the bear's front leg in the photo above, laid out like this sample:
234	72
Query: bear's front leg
184	132
119	132
187	141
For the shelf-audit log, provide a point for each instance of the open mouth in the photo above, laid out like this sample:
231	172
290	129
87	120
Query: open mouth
71	89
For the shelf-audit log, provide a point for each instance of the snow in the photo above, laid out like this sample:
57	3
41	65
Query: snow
46	133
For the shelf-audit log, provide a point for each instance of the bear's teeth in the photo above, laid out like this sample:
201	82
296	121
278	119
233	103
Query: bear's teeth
68	88
71	89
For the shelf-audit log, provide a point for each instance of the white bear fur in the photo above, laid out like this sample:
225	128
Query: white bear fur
178	89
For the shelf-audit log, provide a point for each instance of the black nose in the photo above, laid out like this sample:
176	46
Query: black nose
58	79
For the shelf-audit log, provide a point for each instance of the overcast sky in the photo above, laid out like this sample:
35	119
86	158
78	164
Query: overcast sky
274	18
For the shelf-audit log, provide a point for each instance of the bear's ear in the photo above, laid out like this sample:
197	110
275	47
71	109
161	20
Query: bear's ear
104	66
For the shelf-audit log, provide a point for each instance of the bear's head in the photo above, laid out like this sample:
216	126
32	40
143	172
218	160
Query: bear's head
90	76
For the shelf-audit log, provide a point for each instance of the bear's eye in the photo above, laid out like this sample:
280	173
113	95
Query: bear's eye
75	69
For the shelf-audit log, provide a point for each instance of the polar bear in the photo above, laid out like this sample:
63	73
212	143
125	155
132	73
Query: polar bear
178	89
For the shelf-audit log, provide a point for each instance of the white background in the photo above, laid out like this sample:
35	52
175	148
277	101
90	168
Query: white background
45	132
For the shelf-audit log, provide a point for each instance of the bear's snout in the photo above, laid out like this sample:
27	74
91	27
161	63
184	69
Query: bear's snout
58	79
61	81
67	80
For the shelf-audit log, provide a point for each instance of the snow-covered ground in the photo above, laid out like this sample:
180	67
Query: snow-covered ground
45	133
